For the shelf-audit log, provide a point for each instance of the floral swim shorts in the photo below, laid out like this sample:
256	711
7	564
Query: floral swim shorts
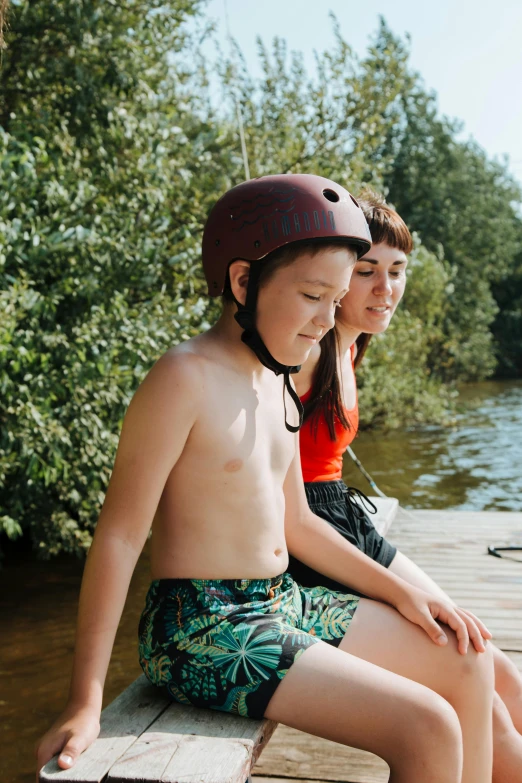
227	644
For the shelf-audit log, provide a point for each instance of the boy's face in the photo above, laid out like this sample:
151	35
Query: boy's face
296	306
376	289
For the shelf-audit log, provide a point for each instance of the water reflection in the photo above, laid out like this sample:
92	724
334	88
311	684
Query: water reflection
474	465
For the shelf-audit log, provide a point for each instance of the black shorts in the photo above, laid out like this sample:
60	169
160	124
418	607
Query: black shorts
332	501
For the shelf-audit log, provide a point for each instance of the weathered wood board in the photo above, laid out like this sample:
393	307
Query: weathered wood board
451	546
141	704
187	744
145	737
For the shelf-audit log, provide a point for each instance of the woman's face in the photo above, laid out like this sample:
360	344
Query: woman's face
376	288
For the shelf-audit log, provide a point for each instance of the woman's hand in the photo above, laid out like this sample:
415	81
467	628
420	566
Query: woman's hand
423	609
73	732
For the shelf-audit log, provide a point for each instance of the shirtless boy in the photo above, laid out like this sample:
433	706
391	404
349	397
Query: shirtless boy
209	451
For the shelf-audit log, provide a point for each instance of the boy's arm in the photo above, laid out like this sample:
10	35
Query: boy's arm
155	430
314	541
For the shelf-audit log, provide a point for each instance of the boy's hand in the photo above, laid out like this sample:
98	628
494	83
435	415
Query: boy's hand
423	609
72	733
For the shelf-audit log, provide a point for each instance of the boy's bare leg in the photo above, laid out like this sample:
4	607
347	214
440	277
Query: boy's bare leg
508	680
345	699
392	717
379	634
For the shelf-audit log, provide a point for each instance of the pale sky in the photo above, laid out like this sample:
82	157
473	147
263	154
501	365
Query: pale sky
469	52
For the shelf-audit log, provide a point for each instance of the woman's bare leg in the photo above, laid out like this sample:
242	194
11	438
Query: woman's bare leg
507	746
508	680
508	685
335	695
380	635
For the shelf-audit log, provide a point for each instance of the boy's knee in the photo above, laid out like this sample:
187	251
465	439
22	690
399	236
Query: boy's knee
435	738
470	676
437	719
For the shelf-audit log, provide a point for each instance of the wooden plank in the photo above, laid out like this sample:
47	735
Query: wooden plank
181	758
225	746
262	779
295	754
209	760
451	547
121	723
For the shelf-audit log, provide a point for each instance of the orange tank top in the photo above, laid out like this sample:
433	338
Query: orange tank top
321	457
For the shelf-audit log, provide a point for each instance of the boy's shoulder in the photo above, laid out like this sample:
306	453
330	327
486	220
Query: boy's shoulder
179	373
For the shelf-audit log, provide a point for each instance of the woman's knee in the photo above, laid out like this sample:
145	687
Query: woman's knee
507	676
471	676
480	666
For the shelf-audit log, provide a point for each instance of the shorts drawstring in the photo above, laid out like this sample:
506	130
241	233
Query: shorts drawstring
356	511
271	592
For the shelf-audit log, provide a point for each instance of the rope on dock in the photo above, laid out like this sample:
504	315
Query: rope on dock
365	473
375	488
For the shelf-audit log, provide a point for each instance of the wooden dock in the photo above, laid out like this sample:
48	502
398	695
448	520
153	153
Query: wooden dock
145	737
452	548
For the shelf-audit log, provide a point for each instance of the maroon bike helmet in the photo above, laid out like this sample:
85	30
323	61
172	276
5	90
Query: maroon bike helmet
262	215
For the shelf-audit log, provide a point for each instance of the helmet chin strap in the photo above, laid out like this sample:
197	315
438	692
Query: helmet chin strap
246	316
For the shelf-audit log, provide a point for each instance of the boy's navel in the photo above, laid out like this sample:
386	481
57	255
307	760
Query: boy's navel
234	465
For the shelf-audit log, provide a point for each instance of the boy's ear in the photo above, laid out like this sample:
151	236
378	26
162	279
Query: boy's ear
239	272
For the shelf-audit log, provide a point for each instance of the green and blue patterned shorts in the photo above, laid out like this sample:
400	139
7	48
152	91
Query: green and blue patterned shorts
227	644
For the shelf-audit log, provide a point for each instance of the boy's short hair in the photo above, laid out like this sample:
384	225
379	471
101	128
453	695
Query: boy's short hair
284	256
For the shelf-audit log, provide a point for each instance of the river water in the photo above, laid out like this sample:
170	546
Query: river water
474	465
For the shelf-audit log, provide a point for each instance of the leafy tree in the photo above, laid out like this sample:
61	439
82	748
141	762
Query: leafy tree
507	327
109	161
3	15
455	198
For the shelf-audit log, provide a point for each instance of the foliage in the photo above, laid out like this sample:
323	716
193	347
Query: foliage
111	153
454	197
105	183
507	327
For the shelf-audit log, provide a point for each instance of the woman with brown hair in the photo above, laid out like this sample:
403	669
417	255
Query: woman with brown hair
327	388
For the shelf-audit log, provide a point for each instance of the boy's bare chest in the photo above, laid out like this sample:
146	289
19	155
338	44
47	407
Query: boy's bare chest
245	433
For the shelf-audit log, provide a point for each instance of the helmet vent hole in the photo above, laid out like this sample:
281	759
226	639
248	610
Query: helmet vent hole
217	242
355	201
331	195
257	243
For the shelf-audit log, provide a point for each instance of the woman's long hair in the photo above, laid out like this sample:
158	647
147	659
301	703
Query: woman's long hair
326	398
